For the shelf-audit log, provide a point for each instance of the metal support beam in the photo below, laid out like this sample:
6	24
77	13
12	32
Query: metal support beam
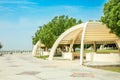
95	49
82	44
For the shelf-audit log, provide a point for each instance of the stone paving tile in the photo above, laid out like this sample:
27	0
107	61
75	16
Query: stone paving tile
28	73
49	66
82	74
14	66
26	67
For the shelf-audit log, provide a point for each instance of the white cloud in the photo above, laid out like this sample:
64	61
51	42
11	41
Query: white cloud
4	8
25	7
16	2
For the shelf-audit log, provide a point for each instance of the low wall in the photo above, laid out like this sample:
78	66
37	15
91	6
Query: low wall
112	57
67	55
70	55
43	53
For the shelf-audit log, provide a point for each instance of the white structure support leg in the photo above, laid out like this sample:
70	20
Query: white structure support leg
82	45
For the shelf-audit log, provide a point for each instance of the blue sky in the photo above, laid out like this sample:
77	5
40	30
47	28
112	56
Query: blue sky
19	19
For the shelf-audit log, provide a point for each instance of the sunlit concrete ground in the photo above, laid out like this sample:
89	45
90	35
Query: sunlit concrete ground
25	67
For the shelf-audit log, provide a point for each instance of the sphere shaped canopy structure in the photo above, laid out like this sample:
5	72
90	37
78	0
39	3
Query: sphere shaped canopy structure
85	33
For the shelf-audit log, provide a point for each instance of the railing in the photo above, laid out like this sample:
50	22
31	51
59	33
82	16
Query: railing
16	51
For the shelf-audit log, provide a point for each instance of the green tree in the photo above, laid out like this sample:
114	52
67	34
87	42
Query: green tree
36	37
112	16
48	33
0	45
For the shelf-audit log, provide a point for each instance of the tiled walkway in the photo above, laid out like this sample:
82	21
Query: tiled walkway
26	67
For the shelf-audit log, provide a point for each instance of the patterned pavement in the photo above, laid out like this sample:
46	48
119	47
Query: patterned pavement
26	67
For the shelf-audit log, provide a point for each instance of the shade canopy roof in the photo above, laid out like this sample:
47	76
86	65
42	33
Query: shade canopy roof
89	32
95	32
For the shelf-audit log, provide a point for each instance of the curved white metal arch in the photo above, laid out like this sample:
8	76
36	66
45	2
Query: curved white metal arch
36	46
83	27
82	44
61	37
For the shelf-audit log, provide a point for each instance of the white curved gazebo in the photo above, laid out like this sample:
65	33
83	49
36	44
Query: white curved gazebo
36	47
90	32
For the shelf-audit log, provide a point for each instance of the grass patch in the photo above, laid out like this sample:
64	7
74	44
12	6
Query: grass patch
103	51
87	51
42	57
108	51
110	68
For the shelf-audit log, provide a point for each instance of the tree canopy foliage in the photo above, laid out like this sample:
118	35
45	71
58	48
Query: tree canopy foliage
112	16
0	45
48	33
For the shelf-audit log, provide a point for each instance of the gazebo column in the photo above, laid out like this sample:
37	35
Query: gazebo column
118	44
73	41
71	46
70	49
66	48
95	49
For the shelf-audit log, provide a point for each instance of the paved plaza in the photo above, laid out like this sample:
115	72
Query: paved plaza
26	67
